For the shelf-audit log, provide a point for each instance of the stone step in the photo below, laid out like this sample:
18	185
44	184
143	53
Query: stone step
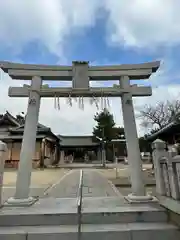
100	217
61	211
131	231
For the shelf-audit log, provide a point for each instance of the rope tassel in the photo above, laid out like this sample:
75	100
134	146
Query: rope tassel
55	102
70	100
58	100
108	103
82	103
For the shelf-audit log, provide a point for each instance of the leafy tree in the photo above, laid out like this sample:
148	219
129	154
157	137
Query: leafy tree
118	133
105	126
105	129
144	145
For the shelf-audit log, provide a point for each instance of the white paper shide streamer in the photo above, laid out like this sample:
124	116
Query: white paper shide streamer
57	102
100	103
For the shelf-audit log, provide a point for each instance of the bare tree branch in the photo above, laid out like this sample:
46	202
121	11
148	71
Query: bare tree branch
161	114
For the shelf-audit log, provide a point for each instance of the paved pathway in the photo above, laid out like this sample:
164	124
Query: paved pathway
94	185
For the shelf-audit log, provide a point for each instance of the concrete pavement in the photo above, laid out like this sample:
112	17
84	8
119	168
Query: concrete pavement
51	179
94	185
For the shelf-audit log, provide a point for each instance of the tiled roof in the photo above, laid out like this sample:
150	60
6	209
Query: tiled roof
164	130
77	141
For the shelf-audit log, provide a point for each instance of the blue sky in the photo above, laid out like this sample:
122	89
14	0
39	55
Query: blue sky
90	44
87	44
106	32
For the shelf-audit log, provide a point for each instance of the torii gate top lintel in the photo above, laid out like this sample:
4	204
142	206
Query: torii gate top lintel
59	73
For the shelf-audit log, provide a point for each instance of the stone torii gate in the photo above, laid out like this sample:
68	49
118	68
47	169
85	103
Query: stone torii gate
80	73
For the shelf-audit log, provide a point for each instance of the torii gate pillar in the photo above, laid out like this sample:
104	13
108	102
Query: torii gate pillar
28	147
134	158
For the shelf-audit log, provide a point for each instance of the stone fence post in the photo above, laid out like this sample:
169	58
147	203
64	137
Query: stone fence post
159	151
173	162
166	164
3	151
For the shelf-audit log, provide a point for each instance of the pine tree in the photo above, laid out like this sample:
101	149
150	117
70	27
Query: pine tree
105	126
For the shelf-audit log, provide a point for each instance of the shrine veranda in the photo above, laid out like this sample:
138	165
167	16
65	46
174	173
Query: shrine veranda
80	73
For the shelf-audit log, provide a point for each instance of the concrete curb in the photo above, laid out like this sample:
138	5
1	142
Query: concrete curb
129	185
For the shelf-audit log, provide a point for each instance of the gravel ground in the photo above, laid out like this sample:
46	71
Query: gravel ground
40	181
38	177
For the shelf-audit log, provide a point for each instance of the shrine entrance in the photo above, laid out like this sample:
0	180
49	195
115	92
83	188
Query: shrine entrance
80	73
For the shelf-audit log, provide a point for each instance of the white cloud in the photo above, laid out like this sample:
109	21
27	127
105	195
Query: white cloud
22	22
72	120
137	23
140	23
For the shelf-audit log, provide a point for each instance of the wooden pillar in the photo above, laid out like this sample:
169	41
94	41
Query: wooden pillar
9	156
42	153
62	156
56	154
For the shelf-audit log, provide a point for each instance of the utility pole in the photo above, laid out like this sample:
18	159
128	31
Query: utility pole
113	152
103	152
103	149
